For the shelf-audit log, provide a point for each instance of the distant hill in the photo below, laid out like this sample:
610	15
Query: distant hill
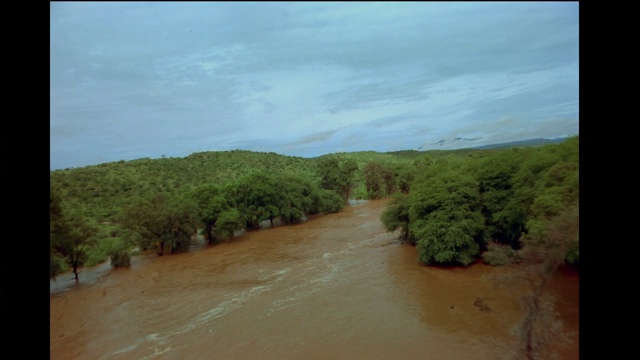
531	142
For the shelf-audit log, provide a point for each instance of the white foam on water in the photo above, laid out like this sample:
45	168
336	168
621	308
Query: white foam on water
275	273
157	352
148	338
308	288
223	309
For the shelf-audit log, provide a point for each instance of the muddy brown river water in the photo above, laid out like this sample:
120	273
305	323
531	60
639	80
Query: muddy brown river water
335	287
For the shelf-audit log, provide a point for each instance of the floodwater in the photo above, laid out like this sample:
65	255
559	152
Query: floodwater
335	287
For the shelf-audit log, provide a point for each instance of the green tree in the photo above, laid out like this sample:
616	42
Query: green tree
336	176
396	217
71	235
161	221
294	200
422	163
120	255
445	218
379	180
55	228
212	202
505	222
326	201
348	171
256	198
72	239
229	221
404	175
546	183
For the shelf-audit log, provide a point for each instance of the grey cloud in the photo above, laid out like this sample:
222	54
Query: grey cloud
313	138
374	94
207	76
394	120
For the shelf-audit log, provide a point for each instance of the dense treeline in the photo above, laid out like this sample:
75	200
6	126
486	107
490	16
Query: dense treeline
460	206
160	204
102	190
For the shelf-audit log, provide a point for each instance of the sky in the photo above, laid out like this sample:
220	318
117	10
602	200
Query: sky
131	80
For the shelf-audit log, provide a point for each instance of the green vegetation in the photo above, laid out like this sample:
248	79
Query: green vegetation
451	204
160	221
462	203
336	175
70	236
445	217
120	256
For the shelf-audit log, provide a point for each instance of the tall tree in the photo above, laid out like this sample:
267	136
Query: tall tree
348	170
161	221
379	180
293	198
72	238
256	198
505	222
404	176
229	221
337	176
212	202
445	218
55	228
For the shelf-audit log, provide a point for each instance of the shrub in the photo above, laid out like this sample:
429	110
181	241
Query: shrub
120	258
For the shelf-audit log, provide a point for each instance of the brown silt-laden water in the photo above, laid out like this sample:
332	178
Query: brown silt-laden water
335	287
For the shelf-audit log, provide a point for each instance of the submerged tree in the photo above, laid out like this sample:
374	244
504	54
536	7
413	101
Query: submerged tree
544	250
255	198
216	212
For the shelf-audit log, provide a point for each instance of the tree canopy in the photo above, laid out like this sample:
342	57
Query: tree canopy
161	221
458	205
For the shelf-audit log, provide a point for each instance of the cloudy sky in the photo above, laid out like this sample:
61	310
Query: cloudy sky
132	80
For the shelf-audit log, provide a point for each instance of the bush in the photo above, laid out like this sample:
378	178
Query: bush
330	202
119	253
120	258
573	256
500	254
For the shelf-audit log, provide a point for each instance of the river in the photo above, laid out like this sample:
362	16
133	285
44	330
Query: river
335	287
